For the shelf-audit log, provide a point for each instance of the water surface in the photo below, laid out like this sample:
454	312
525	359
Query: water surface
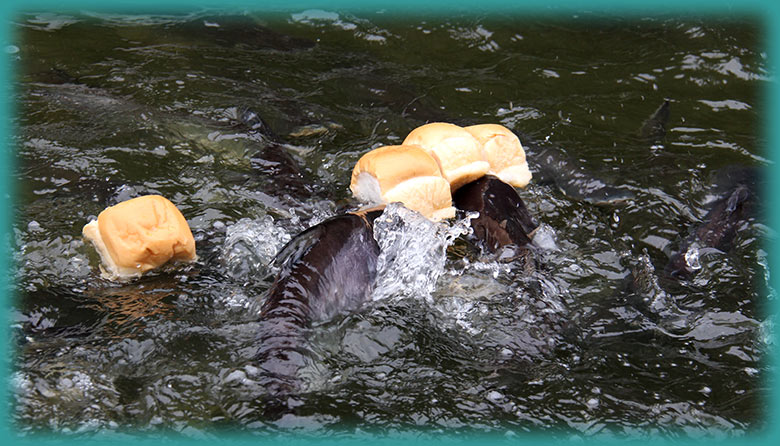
115	106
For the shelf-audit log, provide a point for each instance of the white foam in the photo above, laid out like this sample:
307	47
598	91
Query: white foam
250	247
413	252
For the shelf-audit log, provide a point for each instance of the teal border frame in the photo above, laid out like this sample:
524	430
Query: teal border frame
767	12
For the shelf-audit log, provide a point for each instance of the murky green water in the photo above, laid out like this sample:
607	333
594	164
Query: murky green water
114	106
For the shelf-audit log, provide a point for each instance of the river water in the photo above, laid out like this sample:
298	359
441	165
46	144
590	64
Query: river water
595	341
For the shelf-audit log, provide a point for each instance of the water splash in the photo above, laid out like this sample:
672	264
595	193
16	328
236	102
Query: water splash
544	237
250	246
655	299
413	251
764	262
692	257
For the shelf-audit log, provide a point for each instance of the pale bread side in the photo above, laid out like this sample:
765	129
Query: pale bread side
406	174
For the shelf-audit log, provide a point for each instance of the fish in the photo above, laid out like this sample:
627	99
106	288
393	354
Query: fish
653	128
738	203
503	217
252	152
552	166
326	270
330	269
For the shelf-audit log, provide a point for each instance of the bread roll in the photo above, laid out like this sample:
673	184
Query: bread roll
404	174
504	152
457	152
139	235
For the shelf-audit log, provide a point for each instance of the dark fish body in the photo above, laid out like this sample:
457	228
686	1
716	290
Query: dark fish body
503	217
737	204
274	162
328	269
552	166
654	127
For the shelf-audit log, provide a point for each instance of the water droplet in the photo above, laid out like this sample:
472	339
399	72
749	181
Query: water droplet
413	252
33	226
692	258
495	396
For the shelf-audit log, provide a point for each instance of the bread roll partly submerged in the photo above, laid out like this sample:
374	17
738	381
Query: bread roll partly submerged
404	174
502	149
457	152
139	235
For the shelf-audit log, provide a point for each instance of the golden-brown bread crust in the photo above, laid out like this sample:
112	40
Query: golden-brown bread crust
141	234
504	152
429	196
458	153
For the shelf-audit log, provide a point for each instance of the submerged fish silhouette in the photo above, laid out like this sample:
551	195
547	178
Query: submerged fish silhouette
737	204
552	166
654	127
326	270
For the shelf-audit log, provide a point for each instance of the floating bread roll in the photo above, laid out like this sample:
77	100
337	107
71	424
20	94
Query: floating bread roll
458	153
504	152
406	174
139	235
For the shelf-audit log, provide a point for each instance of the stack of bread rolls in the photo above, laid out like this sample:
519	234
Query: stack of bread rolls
435	160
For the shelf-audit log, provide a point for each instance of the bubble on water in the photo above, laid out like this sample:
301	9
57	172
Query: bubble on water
764	262
20	383
250	247
413	251
461	311
495	396
236	376
544	237
615	220
692	258
76	385
238	300
34	226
